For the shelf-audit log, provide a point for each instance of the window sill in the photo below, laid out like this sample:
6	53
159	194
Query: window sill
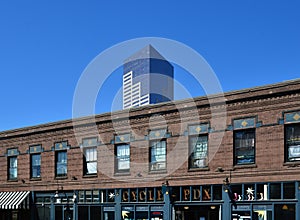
61	177
90	176
12	180
198	169
291	164
122	174
158	171
35	179
244	166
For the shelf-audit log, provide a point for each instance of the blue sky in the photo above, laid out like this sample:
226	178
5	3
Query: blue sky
46	45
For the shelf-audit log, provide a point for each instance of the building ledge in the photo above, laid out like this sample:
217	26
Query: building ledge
122	174
61	177
198	169
246	166
35	179
90	176
292	164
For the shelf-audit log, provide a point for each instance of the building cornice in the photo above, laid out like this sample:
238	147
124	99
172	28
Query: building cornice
268	92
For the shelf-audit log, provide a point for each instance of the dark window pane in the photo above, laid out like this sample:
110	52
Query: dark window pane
275	191
43	212
262	192
58	212
83	212
217	192
141	215
237	192
244	146
95	212
284	212
109	215
289	191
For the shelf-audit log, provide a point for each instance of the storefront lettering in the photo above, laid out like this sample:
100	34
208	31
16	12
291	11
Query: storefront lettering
133	196
206	195
150	195
125	196
159	195
196	193
141	195
186	194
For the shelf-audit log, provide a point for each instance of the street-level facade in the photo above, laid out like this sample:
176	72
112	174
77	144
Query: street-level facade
228	156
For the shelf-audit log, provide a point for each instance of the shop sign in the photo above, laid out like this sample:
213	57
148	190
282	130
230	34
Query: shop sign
109	208
242	207
156	208
194	193
142	195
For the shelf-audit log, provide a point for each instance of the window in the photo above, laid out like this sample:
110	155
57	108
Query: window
292	142
61	163
158	155
244	147
123	158
89	149
90	160
12	168
35	165
198	151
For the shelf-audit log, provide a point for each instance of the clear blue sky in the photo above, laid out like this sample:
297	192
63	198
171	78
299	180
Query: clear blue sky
46	45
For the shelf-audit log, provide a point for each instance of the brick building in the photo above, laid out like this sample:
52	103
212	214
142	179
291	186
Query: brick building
208	158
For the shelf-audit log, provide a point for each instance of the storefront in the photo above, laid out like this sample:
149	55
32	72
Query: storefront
266	201
256	201
14	205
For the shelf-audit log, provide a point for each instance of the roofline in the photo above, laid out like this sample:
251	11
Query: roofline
270	89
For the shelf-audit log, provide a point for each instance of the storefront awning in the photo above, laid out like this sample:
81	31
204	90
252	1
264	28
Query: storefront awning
12	200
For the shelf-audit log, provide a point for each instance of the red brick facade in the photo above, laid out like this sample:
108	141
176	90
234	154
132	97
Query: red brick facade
266	104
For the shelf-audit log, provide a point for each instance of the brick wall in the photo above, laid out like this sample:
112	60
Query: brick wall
267	104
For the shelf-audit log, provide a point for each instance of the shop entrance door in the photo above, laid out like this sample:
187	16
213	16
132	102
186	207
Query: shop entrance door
63	212
201	212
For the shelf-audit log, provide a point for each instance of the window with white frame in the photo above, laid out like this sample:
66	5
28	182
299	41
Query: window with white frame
35	165
158	157
61	161
292	142
198	145
122	158
90	158
12	164
35	161
12	167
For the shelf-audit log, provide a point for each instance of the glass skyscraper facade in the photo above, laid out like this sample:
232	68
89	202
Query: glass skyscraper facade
148	78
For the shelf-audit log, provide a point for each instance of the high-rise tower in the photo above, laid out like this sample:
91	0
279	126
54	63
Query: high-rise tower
148	78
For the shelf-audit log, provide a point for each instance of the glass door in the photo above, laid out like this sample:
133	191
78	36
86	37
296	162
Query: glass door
64	212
